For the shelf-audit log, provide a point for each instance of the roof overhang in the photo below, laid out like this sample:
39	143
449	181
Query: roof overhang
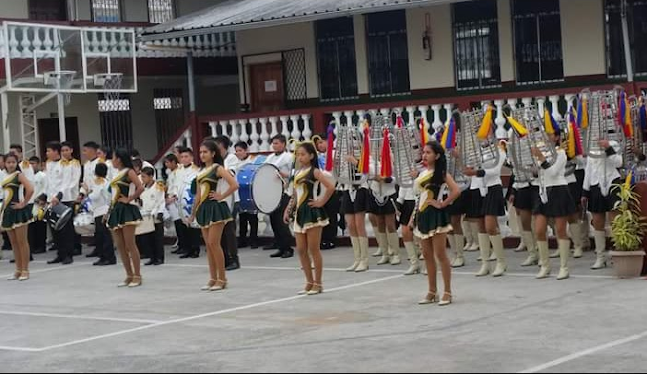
238	15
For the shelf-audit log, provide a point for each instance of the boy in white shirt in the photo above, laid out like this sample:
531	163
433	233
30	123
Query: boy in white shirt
245	218
38	228
100	197
153	204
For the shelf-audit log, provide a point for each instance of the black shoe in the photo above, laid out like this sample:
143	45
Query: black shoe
185	256
176	252
277	254
270	247
149	263
195	255
67	261
158	263
12	261
57	260
92	255
233	266
105	263
288	253
77	252
242	243
38	251
324	246
31	258
254	245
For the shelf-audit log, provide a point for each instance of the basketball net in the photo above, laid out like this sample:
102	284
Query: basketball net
112	86
64	82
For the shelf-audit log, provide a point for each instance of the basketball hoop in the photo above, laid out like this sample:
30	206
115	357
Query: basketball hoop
61	81
110	83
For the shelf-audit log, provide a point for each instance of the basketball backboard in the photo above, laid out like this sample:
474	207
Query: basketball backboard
52	58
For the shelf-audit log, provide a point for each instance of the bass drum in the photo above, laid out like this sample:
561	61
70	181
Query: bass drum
261	188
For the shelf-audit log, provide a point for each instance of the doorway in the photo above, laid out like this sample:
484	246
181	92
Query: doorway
267	91
48	131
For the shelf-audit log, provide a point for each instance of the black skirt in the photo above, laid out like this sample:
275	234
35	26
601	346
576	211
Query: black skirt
560	203
576	193
475	209
460	206
603	204
406	212
381	208
494	202
525	198
357	205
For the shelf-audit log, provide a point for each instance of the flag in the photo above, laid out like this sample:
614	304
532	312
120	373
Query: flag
583	114
424	134
364	161
486	125
643	119
517	127
624	116
550	124
330	162
448	140
387	165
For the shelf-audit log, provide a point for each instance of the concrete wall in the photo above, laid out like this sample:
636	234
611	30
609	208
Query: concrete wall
583	37
14	9
506	41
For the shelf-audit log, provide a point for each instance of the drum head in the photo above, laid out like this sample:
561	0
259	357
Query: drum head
267	189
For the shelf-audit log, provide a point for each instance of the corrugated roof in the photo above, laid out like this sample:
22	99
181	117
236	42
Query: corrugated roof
247	14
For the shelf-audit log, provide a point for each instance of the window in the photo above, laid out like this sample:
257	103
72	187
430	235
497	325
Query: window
538	41
637	20
48	10
388	53
476	44
169	113
336	55
116	122
160	11
106	10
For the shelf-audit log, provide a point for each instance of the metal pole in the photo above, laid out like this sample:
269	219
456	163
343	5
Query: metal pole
191	78
627	44
6	133
61	118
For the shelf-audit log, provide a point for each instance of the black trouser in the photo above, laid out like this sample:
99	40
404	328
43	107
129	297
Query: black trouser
332	207
103	240
64	239
6	243
158	254
251	220
181	232
152	244
38	236
193	238
282	233
229	243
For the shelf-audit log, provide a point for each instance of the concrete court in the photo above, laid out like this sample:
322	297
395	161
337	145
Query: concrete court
74	319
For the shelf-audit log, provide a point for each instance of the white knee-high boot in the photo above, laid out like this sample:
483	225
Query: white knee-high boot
600	250
467	231
501	264
363	247
414	262
394	247
383	243
565	254
576	235
529	241
457	245
544	260
357	252
484	245
475	237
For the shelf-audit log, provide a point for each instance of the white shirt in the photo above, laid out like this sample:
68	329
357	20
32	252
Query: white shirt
99	196
54	172
554	175
71	177
39	183
492	176
153	200
282	161
603	171
89	168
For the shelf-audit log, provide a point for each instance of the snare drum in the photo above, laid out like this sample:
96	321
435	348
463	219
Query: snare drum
261	189
84	224
58	216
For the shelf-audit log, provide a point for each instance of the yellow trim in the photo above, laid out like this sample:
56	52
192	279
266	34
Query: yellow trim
9	178
310	225
432	233
130	223
16	226
7	201
225	221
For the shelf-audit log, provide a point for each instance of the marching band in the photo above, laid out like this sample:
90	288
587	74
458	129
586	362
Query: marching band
438	191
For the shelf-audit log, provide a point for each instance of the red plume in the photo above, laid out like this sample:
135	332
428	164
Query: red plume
387	164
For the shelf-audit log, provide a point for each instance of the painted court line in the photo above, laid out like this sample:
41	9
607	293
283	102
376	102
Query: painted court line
586	352
19	349
71	316
50	269
206	315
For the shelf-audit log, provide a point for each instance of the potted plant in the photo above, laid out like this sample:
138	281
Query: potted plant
627	232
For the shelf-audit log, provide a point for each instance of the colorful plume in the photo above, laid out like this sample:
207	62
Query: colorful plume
399	122
624	116
628	181
550	124
643	119
448	140
386	163
583	114
364	161
574	148
330	162
517	127
424	132
486	126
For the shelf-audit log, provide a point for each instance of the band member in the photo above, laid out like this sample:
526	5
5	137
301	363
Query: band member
38	228
17	215
211	211
26	169
153	205
487	205
407	204
309	214
124	216
555	203
354	205
283	161
575	224
145	164
431	221
72	173
99	195
246	219
104	154
456	211
329	235
229	239
525	193
59	188
186	180
6	244
172	200
382	216
599	177
89	152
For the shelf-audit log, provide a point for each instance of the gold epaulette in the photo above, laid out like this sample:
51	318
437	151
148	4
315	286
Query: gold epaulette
161	186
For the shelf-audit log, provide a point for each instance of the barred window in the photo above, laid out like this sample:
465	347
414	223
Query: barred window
476	44
336	57
637	20
48	10
160	11
538	41
106	10
169	113
388	53
116	122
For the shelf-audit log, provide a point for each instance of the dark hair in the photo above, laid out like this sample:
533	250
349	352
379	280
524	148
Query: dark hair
12	155
242	145
212	147
101	170
2	156
92	145
186	150
68	145
149	171
440	168
54	146
323	136
311	150
135	154
16	146
280	138
107	150
224	141
138	164
171	158
123	155
34	159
